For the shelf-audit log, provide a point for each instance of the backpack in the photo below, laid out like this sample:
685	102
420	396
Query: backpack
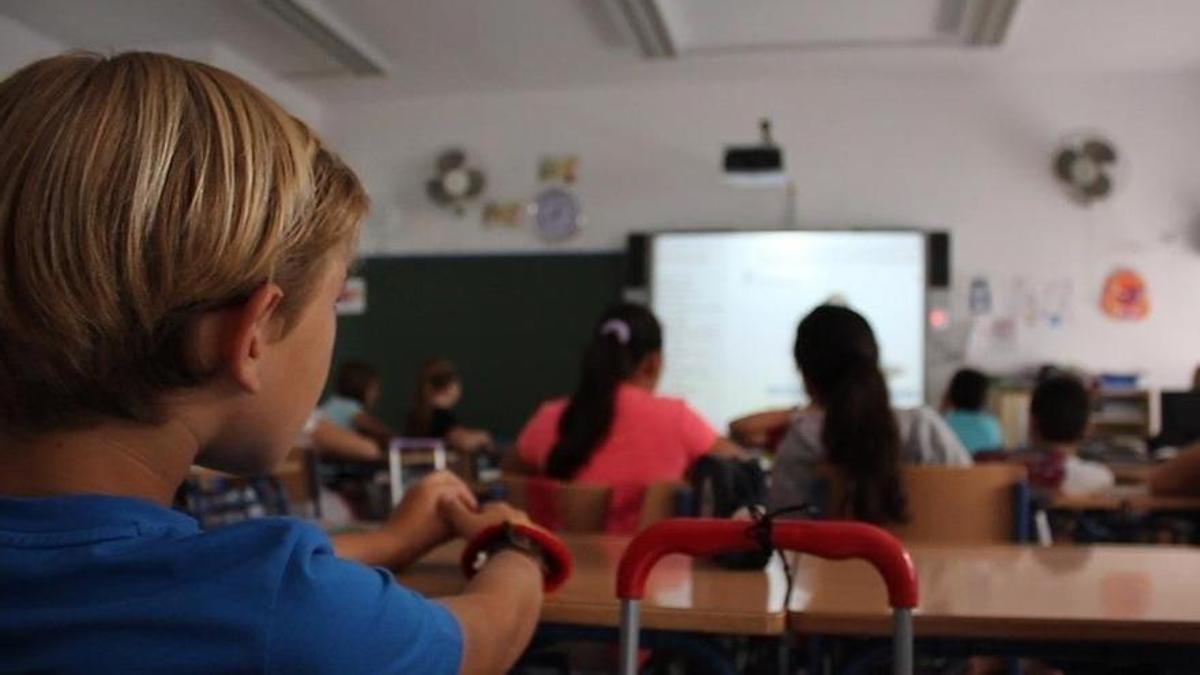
720	487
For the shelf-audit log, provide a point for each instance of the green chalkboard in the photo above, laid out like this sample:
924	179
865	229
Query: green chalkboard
515	325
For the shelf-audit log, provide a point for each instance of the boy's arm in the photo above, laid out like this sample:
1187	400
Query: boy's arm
1179	476
499	609
413	529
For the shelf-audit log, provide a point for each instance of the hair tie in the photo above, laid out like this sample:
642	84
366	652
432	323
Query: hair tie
618	329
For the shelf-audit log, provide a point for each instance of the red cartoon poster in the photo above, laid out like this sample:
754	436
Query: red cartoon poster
1125	296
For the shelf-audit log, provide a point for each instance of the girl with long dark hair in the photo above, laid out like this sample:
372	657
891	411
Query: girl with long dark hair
614	429
851	425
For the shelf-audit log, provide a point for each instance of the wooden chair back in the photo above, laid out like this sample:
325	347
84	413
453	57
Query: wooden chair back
981	504
583	508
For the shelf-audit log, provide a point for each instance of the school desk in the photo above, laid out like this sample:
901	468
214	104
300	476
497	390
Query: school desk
1134	498
683	595
1092	603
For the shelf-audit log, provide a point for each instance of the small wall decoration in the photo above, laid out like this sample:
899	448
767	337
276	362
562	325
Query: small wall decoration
979	298
1125	296
557	214
1086	166
558	169
510	214
352	301
456	182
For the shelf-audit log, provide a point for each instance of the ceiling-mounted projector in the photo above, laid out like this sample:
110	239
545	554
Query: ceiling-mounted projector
756	165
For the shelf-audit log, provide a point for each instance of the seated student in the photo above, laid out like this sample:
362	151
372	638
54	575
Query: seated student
171	246
614	430
356	391
438	390
978	429
851	424
1058	421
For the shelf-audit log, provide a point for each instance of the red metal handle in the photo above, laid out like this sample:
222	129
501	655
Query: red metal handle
825	539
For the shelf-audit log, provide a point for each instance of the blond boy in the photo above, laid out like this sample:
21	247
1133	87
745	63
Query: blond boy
171	246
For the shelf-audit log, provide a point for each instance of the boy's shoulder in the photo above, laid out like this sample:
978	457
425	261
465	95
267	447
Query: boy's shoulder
262	595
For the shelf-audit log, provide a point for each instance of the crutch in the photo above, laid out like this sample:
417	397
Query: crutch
825	539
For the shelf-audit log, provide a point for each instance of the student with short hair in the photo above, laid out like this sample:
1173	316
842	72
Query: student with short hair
851	425
1058	421
614	429
431	413
172	244
964	411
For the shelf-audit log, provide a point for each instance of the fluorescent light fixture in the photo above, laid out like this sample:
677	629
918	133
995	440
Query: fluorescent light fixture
321	27
649	28
985	23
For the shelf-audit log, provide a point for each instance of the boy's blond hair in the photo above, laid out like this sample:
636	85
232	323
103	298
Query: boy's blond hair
136	192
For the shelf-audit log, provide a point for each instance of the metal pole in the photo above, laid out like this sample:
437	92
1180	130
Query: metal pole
902	635
439	457
629	637
395	473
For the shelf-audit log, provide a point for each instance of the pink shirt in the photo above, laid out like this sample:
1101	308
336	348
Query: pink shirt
653	439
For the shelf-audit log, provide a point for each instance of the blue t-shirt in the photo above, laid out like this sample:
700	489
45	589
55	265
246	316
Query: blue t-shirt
341	410
118	585
977	430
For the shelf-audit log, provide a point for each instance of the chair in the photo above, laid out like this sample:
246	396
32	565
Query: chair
580	507
982	504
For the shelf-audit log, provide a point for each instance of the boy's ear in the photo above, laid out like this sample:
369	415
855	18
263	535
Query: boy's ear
247	329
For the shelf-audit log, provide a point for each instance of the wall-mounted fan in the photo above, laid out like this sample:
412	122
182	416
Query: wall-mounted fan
1086	165
456	182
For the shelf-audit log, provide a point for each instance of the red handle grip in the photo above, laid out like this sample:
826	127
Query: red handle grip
824	539
558	558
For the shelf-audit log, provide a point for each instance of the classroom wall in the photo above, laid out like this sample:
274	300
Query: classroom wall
966	153
20	45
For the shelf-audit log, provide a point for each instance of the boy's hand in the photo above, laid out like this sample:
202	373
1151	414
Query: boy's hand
416	526
416	522
469	522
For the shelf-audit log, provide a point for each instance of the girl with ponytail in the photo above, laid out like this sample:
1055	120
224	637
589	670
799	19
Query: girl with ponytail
614	430
851	425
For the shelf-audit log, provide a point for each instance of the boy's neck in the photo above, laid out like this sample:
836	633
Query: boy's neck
113	458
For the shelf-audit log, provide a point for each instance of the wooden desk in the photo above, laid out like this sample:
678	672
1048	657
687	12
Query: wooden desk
1127	594
682	594
1125	498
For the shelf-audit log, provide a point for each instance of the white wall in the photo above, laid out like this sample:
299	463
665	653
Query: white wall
20	45
968	155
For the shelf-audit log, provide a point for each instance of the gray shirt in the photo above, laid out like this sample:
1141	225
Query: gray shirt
924	439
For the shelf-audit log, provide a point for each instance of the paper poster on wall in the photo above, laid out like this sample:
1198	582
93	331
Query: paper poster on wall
1056	302
1023	301
979	298
1125	296
352	301
993	336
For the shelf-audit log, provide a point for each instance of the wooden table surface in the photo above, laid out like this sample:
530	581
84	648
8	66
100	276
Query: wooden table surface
1062	593
682	594
1125	497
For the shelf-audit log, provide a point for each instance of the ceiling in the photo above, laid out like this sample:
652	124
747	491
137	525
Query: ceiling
465	45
